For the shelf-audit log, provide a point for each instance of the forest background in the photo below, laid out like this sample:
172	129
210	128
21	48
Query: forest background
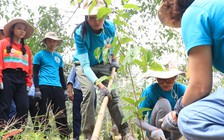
141	44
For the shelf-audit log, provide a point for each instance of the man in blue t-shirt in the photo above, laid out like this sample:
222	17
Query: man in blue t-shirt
48	78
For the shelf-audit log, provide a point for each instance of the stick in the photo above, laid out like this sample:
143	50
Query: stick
12	133
100	116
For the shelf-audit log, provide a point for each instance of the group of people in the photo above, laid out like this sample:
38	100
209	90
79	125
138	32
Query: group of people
175	109
195	112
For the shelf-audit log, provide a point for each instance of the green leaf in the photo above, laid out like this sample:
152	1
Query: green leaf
139	101
125	1
129	100
101	79
97	53
105	55
128	118
125	40
130	6
103	12
129	108
108	2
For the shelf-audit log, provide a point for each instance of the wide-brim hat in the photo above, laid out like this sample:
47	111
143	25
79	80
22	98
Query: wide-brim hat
29	30
52	35
169	70
165	74
87	10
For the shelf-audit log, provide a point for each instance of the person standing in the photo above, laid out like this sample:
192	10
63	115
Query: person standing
199	114
48	78
75	95
15	70
12	111
90	35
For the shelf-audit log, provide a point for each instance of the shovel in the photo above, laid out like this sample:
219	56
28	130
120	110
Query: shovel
101	113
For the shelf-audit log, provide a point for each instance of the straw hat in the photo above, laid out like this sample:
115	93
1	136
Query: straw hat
29	31
52	35
170	70
94	10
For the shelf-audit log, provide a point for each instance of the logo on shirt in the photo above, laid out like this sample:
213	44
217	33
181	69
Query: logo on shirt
57	59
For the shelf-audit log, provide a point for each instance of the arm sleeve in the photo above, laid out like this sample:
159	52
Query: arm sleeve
36	69
84	61
62	78
82	53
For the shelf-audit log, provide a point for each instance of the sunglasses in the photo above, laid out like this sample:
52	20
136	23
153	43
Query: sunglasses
167	81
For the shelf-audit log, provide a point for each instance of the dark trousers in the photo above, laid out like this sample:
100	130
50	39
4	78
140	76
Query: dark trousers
33	108
76	113
54	98
14	89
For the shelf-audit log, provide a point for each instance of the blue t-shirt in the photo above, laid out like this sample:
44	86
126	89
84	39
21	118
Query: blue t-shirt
49	67
86	46
153	92
72	78
203	24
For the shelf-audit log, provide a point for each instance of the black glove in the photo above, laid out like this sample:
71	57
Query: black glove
115	64
105	92
37	95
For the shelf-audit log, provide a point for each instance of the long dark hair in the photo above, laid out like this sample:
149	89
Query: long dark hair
9	47
84	28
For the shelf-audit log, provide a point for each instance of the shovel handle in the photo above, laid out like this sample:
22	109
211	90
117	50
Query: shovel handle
101	113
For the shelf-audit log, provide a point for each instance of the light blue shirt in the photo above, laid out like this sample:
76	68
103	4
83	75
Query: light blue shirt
49	67
72	78
153	92
86	47
203	24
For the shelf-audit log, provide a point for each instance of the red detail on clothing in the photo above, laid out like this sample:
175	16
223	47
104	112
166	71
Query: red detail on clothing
13	65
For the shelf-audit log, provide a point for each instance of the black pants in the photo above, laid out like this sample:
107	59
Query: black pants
33	108
54	98
76	113
14	89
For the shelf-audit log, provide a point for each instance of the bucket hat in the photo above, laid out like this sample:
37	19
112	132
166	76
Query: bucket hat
52	35
169	70
29	30
87	7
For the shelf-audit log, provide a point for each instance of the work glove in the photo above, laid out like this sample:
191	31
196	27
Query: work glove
169	122
1	86
37	95
115	64
27	89
105	92
157	135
